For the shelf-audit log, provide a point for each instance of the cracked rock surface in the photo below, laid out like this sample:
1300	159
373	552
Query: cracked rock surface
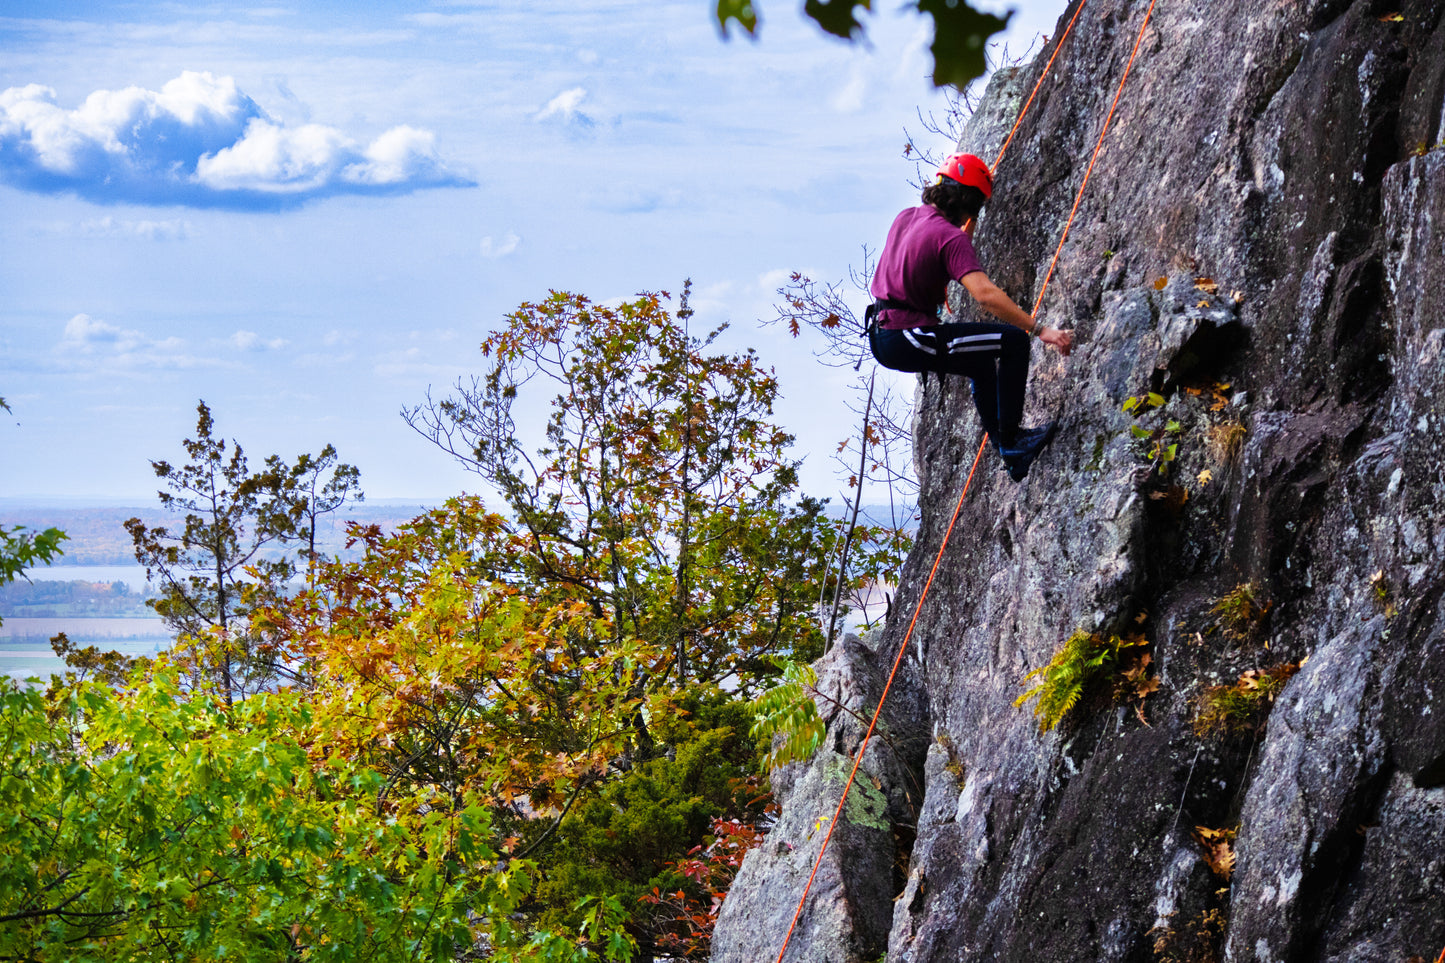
1262	244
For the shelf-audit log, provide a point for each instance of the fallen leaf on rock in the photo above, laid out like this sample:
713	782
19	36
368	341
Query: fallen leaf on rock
1218	852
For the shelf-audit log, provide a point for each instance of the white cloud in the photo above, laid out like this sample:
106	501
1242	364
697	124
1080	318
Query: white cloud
770	281
564	105
272	158
397	156
916	60
493	248
849	98
251	341
90	343
84	335
199	141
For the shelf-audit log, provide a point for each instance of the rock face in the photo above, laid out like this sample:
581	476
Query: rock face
861	870
1263	245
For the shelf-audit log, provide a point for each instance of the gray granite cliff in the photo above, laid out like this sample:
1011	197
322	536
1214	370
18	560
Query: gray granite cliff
1262	245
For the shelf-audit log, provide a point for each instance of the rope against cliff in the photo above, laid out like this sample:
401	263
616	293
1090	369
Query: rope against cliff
1095	156
958	508
858	760
1037	84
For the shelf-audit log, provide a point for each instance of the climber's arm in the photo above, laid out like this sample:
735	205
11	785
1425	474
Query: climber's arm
992	299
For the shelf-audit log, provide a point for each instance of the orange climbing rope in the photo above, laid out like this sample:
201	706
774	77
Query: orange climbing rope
918	608
1095	156
1039	83
858	760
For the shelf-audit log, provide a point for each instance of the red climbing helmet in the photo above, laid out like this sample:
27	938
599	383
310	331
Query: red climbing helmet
968	170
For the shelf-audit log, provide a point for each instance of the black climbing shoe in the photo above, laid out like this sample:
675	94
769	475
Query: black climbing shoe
1025	447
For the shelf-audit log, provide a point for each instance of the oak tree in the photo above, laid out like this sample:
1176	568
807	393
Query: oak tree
660	494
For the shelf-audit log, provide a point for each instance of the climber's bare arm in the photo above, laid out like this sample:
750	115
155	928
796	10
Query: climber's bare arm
992	299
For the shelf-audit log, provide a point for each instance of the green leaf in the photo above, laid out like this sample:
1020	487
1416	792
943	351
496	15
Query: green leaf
960	36
20	548
740	10
837	16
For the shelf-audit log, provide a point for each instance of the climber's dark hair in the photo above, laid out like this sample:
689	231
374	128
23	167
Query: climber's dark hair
956	202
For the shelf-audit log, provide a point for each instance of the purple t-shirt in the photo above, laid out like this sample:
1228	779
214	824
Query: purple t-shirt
923	253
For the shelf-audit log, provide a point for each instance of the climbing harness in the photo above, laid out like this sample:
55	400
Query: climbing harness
958	508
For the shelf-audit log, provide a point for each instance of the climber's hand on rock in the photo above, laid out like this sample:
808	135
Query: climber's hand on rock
1061	341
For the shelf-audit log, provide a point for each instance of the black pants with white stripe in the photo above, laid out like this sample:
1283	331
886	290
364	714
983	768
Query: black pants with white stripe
995	357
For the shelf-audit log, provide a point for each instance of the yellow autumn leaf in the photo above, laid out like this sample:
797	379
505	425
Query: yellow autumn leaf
1217	852
1207	285
1205	477
1160	283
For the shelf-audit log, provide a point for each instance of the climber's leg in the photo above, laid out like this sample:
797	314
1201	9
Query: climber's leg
911	349
995	357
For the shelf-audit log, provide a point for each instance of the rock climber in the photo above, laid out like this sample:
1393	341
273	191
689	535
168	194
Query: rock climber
927	247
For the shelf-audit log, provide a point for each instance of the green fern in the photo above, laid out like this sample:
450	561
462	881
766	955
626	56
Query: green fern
788	709
1083	657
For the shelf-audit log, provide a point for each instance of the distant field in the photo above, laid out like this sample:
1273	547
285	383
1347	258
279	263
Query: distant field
98	535
96	592
17	630
25	643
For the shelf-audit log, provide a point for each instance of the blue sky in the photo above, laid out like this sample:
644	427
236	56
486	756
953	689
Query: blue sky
309	214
